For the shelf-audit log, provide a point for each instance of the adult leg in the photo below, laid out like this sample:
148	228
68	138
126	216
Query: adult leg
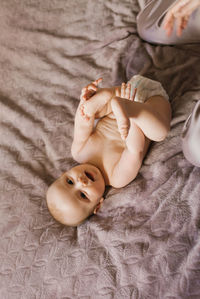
150	25
142	3
191	136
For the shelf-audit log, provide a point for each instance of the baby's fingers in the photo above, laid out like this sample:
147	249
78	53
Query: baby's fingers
94	85
87	94
89	90
90	86
96	82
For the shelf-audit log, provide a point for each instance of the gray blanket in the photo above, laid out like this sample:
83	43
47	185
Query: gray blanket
145	241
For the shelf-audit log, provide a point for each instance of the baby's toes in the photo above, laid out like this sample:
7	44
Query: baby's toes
82	110
123	90
128	91
123	133
124	129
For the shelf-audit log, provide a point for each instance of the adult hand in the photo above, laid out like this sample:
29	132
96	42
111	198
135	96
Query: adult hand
180	13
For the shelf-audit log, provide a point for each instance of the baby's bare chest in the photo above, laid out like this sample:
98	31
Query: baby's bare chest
104	147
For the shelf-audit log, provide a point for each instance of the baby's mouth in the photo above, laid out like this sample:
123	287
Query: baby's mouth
89	176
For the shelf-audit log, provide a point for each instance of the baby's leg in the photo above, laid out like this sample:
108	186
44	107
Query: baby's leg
119	112
129	131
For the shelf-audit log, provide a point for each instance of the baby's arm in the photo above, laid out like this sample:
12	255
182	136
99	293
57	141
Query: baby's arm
83	128
93	104
83	125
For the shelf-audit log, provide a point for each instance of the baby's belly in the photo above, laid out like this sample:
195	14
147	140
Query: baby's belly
107	129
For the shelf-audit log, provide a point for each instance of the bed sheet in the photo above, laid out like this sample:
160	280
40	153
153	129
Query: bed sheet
145	240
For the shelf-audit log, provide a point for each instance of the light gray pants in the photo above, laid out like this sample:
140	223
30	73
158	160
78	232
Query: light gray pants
149	23
191	136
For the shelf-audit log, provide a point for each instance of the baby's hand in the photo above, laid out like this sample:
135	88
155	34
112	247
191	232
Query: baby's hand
96	101
120	111
88	91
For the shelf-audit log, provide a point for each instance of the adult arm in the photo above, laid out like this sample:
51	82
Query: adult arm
179	14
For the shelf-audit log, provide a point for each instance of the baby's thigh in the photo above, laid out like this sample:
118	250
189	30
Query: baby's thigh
161	106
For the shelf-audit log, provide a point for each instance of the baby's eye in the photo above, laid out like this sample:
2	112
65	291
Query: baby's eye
83	195
70	182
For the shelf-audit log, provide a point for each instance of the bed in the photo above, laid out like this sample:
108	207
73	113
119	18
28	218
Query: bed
145	240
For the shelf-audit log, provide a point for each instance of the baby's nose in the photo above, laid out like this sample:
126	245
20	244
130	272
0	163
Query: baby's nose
83	180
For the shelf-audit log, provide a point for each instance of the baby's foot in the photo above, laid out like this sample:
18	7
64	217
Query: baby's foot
126	92
122	119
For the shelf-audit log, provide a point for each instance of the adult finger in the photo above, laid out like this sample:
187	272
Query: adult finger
168	23
179	27
187	8
181	24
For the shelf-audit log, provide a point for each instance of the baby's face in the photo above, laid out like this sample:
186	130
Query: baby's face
75	194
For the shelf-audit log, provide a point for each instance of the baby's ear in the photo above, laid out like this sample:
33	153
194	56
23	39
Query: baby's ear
98	205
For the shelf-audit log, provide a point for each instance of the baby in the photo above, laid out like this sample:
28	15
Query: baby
112	150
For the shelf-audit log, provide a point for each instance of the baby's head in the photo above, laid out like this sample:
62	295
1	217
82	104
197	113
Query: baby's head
76	194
